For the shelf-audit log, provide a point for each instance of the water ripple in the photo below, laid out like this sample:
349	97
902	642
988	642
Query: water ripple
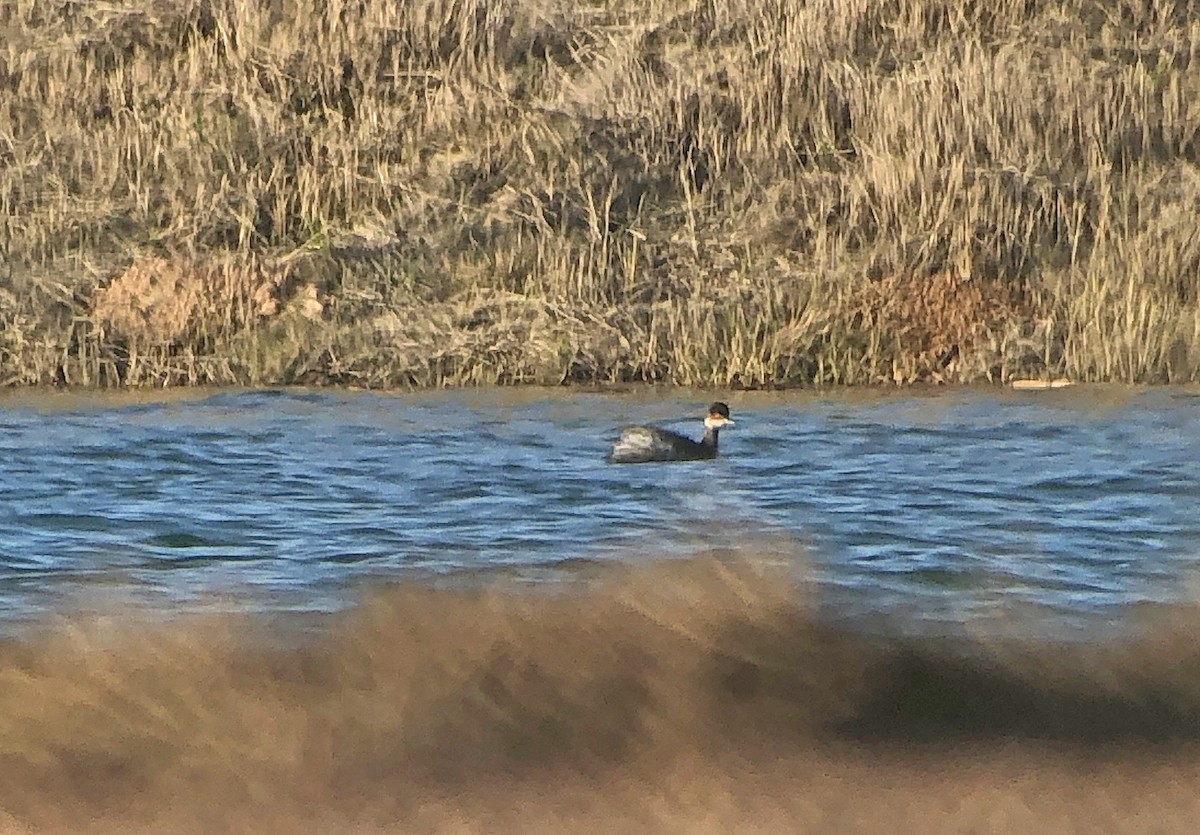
929	505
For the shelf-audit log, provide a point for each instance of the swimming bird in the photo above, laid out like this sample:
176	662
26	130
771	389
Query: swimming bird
639	444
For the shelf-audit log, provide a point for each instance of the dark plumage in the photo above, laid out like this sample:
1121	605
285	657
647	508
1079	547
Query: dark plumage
639	444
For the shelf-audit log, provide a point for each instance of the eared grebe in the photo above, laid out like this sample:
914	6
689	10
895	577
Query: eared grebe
639	444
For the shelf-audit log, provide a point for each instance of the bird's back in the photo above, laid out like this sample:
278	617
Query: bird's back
639	444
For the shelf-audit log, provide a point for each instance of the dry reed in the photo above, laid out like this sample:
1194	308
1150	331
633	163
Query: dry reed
704	192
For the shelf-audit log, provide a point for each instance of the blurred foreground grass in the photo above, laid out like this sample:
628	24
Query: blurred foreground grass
688	696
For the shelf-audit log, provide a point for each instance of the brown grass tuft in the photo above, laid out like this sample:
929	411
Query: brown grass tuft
160	302
938	324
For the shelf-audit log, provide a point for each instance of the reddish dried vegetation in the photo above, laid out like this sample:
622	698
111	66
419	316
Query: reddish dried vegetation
157	302
932	321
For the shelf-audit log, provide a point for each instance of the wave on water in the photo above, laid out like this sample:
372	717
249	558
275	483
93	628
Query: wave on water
699	695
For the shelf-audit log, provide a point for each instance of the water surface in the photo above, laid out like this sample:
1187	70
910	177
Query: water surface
1075	506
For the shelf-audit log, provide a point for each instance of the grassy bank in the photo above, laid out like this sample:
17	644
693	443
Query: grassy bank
703	192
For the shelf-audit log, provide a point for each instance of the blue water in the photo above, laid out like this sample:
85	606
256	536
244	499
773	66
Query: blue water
1075	505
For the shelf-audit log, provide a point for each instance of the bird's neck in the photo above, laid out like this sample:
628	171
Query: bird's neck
710	436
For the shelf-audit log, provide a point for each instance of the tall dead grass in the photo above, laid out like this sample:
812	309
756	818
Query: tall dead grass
695	191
